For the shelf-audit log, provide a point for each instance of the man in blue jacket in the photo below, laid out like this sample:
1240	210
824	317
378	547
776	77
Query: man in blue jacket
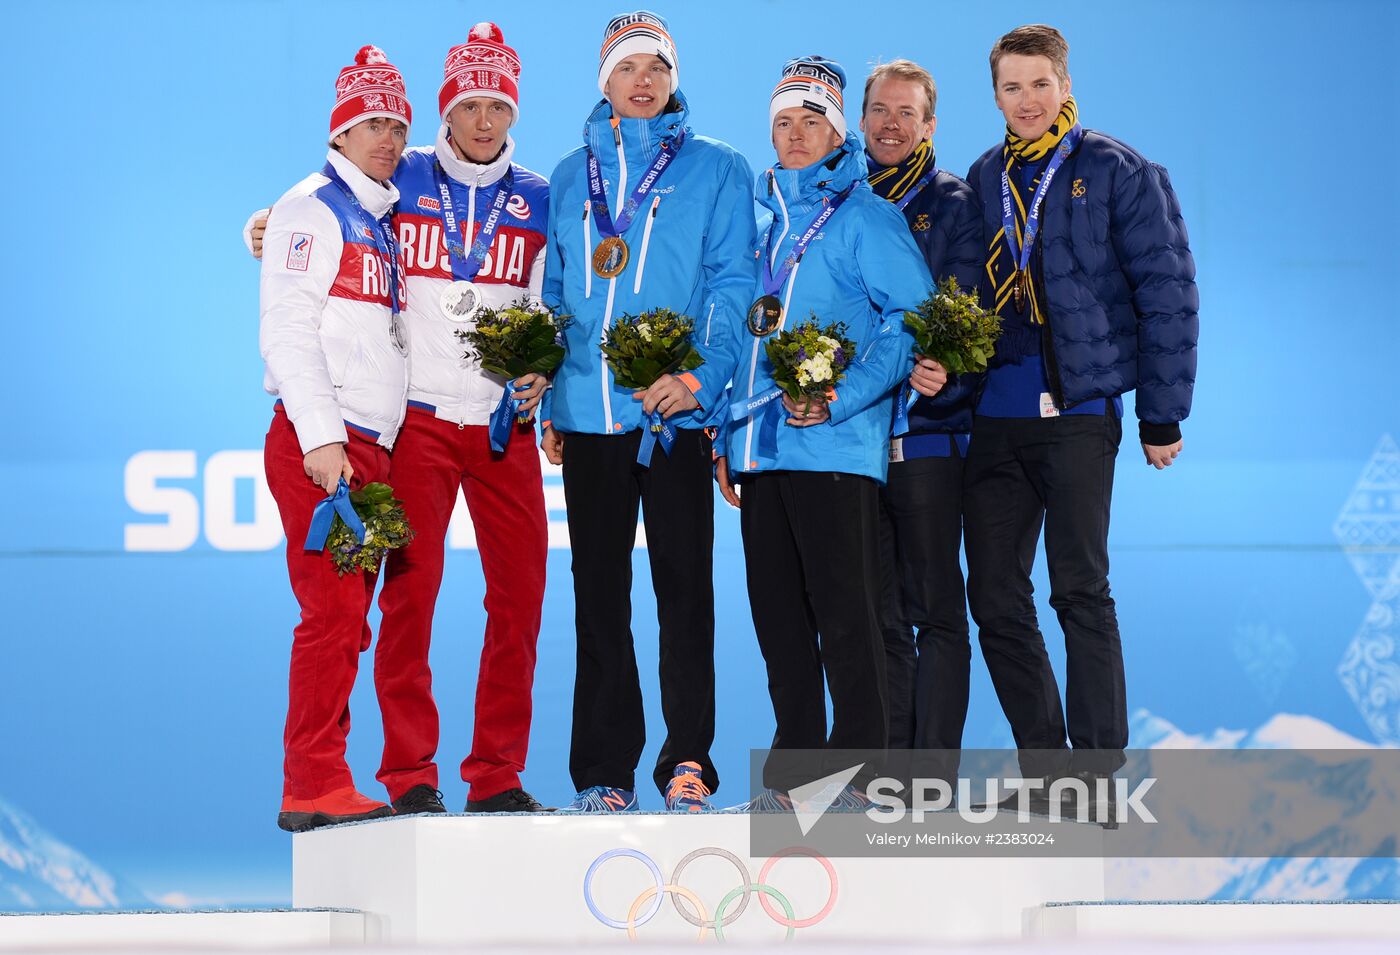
1088	264
645	214
810	476
921	505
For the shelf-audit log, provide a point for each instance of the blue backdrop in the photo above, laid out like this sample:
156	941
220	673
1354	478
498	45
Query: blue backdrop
142	688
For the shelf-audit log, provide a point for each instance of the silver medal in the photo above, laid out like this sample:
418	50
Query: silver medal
460	300
396	333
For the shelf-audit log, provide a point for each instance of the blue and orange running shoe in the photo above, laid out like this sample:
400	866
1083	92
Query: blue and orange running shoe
603	799
685	792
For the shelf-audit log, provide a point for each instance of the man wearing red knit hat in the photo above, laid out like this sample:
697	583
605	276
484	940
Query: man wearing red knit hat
336	358
472	227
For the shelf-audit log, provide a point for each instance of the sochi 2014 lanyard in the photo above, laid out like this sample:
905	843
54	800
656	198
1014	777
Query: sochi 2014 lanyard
382	233
918	187
466	264
607	226
1021	257
772	282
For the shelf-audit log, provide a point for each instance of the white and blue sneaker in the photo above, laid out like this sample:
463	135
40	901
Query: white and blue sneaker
603	799
769	800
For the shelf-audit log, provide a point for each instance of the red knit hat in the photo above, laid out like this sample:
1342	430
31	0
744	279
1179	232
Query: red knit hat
371	87
483	66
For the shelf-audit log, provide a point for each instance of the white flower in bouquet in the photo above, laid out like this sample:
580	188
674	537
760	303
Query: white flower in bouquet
644	330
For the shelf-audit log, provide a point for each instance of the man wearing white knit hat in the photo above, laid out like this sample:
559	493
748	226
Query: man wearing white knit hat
667	221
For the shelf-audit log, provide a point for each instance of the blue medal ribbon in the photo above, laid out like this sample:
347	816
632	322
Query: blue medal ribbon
915	189
466	264
383	233
503	418
1021	257
655	430
324	516
598	196
771	282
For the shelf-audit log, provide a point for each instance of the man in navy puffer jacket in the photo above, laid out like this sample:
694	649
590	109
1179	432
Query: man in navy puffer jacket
921	503
1088	264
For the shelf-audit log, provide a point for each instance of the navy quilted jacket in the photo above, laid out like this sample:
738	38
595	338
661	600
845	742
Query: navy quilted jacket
945	221
1117	278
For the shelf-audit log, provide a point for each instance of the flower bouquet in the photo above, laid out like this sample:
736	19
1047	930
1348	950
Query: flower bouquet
359	528
514	340
953	329
808	360
642	348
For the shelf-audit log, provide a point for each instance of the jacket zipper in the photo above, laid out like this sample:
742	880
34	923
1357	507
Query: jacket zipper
604	376
1047	338
787	300
467	376
646	242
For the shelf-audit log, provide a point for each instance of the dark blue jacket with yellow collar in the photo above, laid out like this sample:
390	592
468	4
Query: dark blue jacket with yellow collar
1116	279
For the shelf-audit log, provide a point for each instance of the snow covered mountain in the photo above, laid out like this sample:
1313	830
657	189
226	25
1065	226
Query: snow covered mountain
1310	879
38	872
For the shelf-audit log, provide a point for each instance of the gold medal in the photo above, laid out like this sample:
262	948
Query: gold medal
610	257
1016	291
765	315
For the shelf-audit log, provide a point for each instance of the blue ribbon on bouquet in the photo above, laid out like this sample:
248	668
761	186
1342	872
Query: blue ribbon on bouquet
901	411
664	435
770	416
503	418
324	516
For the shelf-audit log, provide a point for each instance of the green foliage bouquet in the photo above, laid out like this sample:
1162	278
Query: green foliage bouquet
386	529
809	360
953	329
516	339
642	348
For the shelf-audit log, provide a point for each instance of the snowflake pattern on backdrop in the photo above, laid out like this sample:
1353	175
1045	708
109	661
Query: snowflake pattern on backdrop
1369	531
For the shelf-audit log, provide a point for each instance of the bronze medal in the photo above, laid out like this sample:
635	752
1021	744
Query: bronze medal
610	257
1016	291
765	315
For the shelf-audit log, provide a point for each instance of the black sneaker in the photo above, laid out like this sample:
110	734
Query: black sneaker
421	798
512	800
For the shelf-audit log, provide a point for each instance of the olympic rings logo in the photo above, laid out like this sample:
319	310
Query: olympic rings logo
649	902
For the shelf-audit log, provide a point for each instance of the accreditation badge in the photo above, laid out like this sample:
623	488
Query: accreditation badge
610	257
459	301
765	315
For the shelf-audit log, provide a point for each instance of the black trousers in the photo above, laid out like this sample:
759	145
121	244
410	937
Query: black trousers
603	486
811	550
1022	472
922	594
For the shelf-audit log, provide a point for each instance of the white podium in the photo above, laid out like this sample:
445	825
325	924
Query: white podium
581	879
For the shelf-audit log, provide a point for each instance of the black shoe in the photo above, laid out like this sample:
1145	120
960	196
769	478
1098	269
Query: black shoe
421	798
512	800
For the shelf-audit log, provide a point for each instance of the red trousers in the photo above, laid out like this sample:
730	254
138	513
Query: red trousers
326	644
505	496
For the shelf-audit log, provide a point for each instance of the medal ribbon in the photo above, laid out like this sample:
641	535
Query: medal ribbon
466	265
607	228
1021	256
769	415
915	189
771	282
901	411
383	233
324	516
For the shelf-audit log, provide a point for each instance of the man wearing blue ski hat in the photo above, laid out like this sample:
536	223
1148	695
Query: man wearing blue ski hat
809	476
645	214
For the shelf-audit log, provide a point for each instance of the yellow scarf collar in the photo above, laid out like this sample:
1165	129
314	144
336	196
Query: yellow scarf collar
1029	152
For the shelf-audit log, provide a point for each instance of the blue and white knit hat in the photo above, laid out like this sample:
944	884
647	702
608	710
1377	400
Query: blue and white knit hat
815	83
639	32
